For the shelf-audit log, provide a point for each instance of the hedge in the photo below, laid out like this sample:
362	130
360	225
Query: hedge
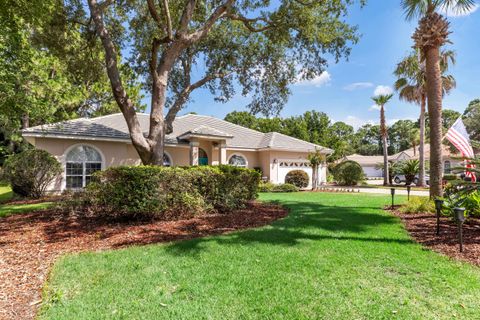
171	192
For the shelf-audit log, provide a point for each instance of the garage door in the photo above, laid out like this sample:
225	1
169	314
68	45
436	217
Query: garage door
285	166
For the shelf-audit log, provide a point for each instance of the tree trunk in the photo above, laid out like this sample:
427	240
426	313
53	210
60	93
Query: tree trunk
383	130
25	121
315	177
434	98
421	166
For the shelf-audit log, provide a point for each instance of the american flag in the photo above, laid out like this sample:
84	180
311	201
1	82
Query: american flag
459	137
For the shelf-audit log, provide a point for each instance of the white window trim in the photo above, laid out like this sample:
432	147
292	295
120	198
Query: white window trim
240	155
64	162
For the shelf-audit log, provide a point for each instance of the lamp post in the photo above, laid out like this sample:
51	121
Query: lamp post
438	209
409	188
460	218
392	192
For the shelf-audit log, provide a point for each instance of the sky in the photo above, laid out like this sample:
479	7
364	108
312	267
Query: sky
345	89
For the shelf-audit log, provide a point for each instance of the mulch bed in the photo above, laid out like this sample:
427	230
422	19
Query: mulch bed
30	243
422	227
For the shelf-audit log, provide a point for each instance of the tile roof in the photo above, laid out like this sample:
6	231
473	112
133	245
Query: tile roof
114	127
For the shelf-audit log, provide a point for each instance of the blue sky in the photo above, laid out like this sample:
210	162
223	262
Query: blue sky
344	92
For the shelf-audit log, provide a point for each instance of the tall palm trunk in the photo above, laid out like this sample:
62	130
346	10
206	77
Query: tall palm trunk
421	166
434	95
383	130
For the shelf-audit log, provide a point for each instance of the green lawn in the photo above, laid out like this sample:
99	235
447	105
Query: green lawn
5	193
8	209
336	256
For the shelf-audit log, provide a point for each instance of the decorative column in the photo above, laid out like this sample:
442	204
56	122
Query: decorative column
194	153
223	153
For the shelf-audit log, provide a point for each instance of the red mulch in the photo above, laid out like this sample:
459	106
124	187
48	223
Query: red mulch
422	227
29	244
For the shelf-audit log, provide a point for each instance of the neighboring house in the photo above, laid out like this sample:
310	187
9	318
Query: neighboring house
84	146
370	164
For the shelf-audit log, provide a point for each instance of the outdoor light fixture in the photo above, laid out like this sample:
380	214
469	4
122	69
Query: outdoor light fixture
438	209
459	214
392	192
409	188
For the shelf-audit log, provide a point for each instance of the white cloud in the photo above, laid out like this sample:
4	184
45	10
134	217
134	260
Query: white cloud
318	81
358	85
374	107
382	90
451	12
356	122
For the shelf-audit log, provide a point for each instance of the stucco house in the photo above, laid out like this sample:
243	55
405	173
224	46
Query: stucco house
370	163
84	146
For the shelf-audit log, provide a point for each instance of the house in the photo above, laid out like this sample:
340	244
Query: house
84	146
370	164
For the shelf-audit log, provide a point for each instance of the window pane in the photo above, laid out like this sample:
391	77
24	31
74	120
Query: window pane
74	169
92	167
166	160
74	182
83	153
238	161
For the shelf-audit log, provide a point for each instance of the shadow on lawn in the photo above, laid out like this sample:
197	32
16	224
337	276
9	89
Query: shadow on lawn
306	221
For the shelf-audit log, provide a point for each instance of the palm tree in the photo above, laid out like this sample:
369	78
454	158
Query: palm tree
316	159
381	101
412	87
431	34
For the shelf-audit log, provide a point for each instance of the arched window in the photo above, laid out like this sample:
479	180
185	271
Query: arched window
447	167
81	162
167	162
238	161
202	157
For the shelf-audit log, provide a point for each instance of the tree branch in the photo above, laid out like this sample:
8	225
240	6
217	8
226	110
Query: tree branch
185	94
248	22
166	12
214	17
187	16
121	96
154	14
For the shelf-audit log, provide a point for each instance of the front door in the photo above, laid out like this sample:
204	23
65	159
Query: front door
202	157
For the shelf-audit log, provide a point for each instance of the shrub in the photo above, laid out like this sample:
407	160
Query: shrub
171	193
285	187
265	187
348	173
30	172
298	178
418	205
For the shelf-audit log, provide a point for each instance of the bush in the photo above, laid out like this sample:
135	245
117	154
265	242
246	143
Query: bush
265	187
298	178
171	193
30	172
285	187
418	205
348	173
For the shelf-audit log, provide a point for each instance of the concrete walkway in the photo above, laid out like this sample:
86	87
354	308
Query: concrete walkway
397	192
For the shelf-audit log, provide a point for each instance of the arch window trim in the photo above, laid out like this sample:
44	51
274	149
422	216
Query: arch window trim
239	155
85	165
166	154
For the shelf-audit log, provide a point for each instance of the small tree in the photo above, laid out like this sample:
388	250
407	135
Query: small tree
316	159
30	172
410	168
